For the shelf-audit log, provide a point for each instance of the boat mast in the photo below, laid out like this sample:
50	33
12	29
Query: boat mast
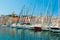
40	17
27	10
47	13
34	7
58	13
42	13
31	14
58	8
50	15
20	14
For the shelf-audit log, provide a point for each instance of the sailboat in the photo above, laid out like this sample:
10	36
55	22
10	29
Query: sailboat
56	27
17	24
36	26
46	26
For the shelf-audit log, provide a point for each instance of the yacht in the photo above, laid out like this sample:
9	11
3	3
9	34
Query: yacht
55	28
3	26
36	27
45	28
25	26
14	25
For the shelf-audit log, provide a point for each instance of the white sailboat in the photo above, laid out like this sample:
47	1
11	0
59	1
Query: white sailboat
56	27
45	25
36	26
17	24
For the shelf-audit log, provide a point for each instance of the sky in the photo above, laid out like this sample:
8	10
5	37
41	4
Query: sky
34	7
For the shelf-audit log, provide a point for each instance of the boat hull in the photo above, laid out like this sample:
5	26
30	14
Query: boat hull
55	29
45	28
37	29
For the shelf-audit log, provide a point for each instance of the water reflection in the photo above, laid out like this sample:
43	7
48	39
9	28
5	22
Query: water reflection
54	36
24	34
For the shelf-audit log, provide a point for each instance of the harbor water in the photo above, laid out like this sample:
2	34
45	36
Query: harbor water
25	34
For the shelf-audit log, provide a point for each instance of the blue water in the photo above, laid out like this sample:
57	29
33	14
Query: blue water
24	34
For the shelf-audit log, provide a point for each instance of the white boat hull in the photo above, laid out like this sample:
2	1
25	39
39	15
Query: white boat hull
45	28
55	29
